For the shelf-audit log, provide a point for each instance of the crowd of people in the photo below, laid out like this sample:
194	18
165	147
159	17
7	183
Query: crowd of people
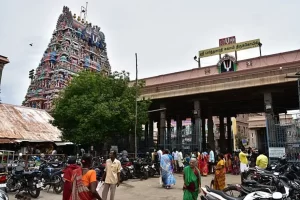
199	164
81	182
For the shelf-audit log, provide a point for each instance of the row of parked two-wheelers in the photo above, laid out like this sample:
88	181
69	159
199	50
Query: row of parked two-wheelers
138	168
281	180
48	174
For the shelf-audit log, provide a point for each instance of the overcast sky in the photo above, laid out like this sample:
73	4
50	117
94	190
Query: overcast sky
166	34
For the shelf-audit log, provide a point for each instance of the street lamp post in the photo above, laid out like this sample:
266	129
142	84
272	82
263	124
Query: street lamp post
259	45
198	61
136	85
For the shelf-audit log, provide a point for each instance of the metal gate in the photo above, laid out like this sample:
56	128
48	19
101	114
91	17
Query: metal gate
183	138
283	138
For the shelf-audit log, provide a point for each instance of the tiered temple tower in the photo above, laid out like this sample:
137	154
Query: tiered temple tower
75	45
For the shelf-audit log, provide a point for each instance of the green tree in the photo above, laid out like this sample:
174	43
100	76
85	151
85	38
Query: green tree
95	108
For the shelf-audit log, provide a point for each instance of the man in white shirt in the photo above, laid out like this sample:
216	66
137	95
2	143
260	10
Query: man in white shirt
211	161
175	160
159	153
180	160
111	176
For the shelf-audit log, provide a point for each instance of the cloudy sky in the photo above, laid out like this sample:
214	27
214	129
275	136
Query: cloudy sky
166	34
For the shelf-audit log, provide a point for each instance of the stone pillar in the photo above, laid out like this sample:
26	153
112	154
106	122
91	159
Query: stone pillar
158	136
147	136
162	127
210	126
150	140
1	69
270	122
203	134
193	144
178	132
229	134
197	126
222	134
168	138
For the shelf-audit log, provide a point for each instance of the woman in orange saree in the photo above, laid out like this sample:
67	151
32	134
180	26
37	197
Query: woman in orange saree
219	181
203	164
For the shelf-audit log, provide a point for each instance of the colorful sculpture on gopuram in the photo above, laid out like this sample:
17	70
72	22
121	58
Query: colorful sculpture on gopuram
75	45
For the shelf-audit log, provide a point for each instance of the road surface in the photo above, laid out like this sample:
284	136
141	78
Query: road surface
146	189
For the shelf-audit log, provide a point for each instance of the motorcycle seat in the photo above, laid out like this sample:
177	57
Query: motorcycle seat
27	172
264	188
226	196
250	182
267	172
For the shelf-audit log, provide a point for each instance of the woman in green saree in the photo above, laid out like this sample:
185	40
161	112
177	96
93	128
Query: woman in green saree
192	181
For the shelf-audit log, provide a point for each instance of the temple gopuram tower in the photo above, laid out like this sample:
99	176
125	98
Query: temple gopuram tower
75	45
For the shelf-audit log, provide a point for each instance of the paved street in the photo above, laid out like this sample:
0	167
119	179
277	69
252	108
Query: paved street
147	189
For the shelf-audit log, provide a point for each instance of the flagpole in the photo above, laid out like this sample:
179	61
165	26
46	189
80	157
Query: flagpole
135	127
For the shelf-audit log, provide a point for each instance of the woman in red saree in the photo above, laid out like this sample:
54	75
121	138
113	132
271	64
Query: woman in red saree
203	164
228	163
235	166
68	171
84	181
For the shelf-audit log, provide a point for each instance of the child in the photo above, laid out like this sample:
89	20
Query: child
67	178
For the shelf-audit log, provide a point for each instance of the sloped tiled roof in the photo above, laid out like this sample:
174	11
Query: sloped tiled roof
27	124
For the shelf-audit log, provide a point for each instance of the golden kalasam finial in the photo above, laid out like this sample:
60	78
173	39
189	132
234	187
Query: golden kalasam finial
82	21
78	18
74	16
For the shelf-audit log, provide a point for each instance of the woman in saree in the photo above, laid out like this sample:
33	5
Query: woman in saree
235	166
167	170
84	182
228	163
220	173
203	164
192	181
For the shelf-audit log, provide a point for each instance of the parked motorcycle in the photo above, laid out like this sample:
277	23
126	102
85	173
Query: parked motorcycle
140	169
52	177
3	180
21	180
211	194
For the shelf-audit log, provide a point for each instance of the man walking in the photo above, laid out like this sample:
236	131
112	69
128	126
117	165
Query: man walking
111	176
211	161
243	163
175	155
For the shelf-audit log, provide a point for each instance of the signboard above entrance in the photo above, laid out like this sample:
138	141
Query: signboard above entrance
229	48
226	41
